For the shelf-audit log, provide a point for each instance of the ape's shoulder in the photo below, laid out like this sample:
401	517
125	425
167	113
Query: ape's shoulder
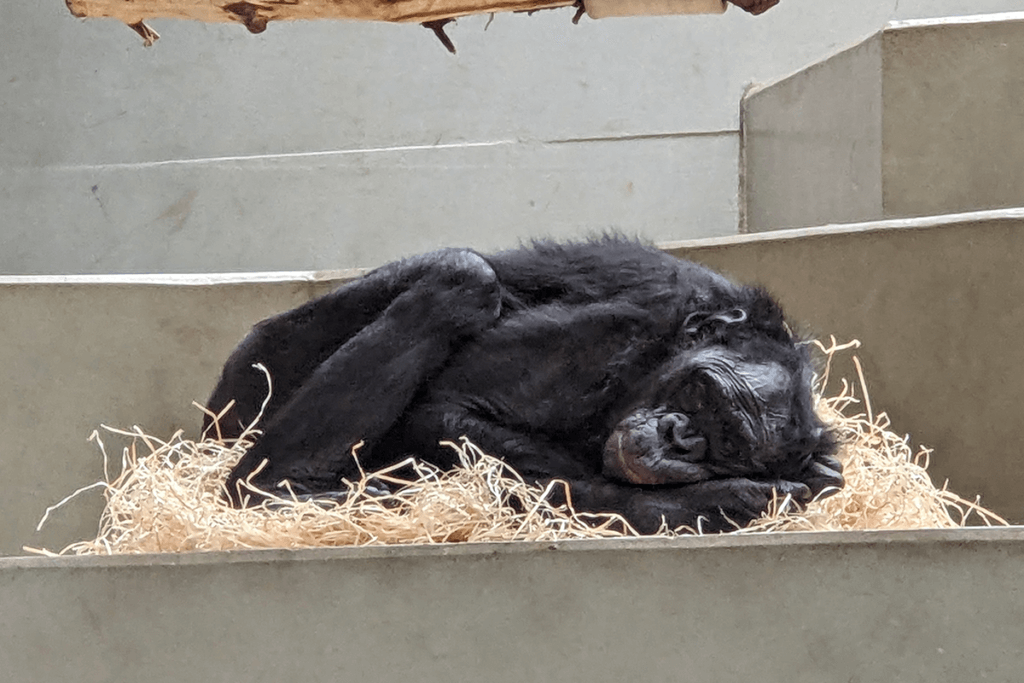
599	268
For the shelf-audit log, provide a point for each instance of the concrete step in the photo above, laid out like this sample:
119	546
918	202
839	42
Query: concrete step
803	608
351	208
922	118
928	297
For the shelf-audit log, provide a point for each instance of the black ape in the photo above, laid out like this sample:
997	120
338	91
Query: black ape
654	386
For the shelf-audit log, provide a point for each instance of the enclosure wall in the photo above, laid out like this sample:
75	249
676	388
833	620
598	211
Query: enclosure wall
923	118
331	144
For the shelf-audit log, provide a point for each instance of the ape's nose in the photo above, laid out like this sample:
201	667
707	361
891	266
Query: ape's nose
686	445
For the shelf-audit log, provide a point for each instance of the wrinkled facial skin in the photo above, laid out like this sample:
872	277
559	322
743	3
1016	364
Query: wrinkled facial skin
721	413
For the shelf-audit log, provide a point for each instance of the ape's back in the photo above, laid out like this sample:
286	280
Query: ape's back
611	267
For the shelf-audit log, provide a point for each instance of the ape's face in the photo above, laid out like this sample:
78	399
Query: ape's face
742	409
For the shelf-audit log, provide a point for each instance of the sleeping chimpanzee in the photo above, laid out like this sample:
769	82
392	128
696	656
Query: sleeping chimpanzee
655	387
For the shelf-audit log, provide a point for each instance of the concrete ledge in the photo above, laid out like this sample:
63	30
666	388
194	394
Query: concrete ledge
815	607
790	540
189	279
867	228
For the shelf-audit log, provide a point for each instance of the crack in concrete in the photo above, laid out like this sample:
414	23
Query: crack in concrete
326	154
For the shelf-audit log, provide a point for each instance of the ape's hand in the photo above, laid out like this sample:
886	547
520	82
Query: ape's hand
730	503
755	6
286	495
714	505
824	476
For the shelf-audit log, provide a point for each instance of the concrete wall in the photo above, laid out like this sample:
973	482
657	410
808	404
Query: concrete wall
923	118
953	119
78	352
819	163
806	608
81	352
326	144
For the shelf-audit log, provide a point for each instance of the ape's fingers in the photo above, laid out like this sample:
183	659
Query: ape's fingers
327	499
829	462
822	478
799	492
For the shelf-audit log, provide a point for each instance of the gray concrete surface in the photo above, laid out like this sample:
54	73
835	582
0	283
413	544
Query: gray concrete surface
84	105
923	118
928	298
953	120
812	144
80	353
911	606
494	194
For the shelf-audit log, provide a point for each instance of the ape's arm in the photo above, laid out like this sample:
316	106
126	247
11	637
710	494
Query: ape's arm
293	344
346	366
712	506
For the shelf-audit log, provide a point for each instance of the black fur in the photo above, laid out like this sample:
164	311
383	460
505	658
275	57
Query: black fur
654	386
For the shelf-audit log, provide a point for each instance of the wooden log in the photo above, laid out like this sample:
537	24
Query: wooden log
255	14
434	14
601	9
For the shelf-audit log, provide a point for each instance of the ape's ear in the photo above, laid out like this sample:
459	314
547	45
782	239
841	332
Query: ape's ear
698	319
757	310
767	315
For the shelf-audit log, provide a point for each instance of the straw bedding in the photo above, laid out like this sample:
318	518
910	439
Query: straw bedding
168	496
